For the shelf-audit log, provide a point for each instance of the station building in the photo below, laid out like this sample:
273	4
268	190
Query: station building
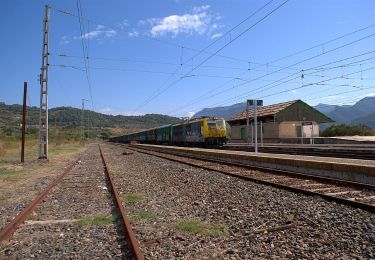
290	122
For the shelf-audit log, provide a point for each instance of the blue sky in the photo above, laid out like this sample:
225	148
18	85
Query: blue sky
136	49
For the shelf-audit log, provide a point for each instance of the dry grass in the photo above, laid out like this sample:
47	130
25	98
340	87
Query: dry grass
10	151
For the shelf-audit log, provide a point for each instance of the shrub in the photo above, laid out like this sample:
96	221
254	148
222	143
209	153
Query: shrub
347	130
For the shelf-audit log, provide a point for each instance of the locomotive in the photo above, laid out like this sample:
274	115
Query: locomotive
205	131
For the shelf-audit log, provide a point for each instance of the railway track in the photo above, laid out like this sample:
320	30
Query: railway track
78	191
354	194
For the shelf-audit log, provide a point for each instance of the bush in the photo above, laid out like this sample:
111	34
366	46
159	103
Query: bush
347	130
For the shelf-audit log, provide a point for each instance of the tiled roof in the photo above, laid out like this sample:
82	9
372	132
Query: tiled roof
264	111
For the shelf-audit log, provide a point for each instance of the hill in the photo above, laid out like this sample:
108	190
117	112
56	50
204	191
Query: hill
70	117
361	112
226	111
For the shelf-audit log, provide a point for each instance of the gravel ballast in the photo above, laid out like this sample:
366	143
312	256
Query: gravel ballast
186	212
77	220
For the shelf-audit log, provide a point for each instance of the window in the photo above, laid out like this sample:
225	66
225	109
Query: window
211	123
220	123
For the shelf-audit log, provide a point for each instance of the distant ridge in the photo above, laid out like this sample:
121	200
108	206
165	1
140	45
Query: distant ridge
10	115
362	112
226	111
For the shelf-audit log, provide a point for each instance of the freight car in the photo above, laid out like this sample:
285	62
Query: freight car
198	132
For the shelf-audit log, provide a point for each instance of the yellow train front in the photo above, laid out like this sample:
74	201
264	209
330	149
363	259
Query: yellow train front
205	131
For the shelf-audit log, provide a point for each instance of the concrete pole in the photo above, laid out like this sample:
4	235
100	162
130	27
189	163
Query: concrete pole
247	122
261	133
83	122
252	134
23	122
256	126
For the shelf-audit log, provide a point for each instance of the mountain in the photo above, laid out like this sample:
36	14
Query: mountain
324	108
70	117
362	112
226	111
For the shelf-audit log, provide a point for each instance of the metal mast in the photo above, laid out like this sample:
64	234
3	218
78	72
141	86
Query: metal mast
43	107
83	121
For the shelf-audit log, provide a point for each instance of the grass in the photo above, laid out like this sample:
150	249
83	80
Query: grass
10	150
142	215
9	172
99	220
11	175
131	197
195	226
33	217
63	149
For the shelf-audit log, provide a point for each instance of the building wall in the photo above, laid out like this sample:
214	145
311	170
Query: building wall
289	129
275	130
300	111
236	132
270	131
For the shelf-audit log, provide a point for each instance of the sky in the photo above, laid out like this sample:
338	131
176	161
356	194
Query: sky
176	57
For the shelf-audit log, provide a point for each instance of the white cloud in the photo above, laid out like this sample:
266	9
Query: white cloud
64	40
110	111
294	91
370	95
198	21
123	24
190	114
100	32
329	98
202	8
340	22
106	110
216	35
100	27
129	114
133	33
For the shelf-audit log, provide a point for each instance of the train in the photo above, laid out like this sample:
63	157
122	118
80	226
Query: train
205	131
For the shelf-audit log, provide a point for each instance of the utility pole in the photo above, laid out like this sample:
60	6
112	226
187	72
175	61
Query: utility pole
23	122
43	107
247	122
256	127
83	121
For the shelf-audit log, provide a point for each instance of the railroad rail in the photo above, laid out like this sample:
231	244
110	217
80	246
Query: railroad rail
8	230
354	194
125	220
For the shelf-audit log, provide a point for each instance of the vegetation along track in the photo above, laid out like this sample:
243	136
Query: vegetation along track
354	194
81	216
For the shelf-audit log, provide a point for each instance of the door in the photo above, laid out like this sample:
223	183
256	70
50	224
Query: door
243	133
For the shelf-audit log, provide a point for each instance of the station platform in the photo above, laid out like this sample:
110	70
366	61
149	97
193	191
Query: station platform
355	151
353	170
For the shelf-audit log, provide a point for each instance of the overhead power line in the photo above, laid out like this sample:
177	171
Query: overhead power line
212	94
84	49
216	52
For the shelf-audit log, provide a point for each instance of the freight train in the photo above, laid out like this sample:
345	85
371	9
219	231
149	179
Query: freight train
206	131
